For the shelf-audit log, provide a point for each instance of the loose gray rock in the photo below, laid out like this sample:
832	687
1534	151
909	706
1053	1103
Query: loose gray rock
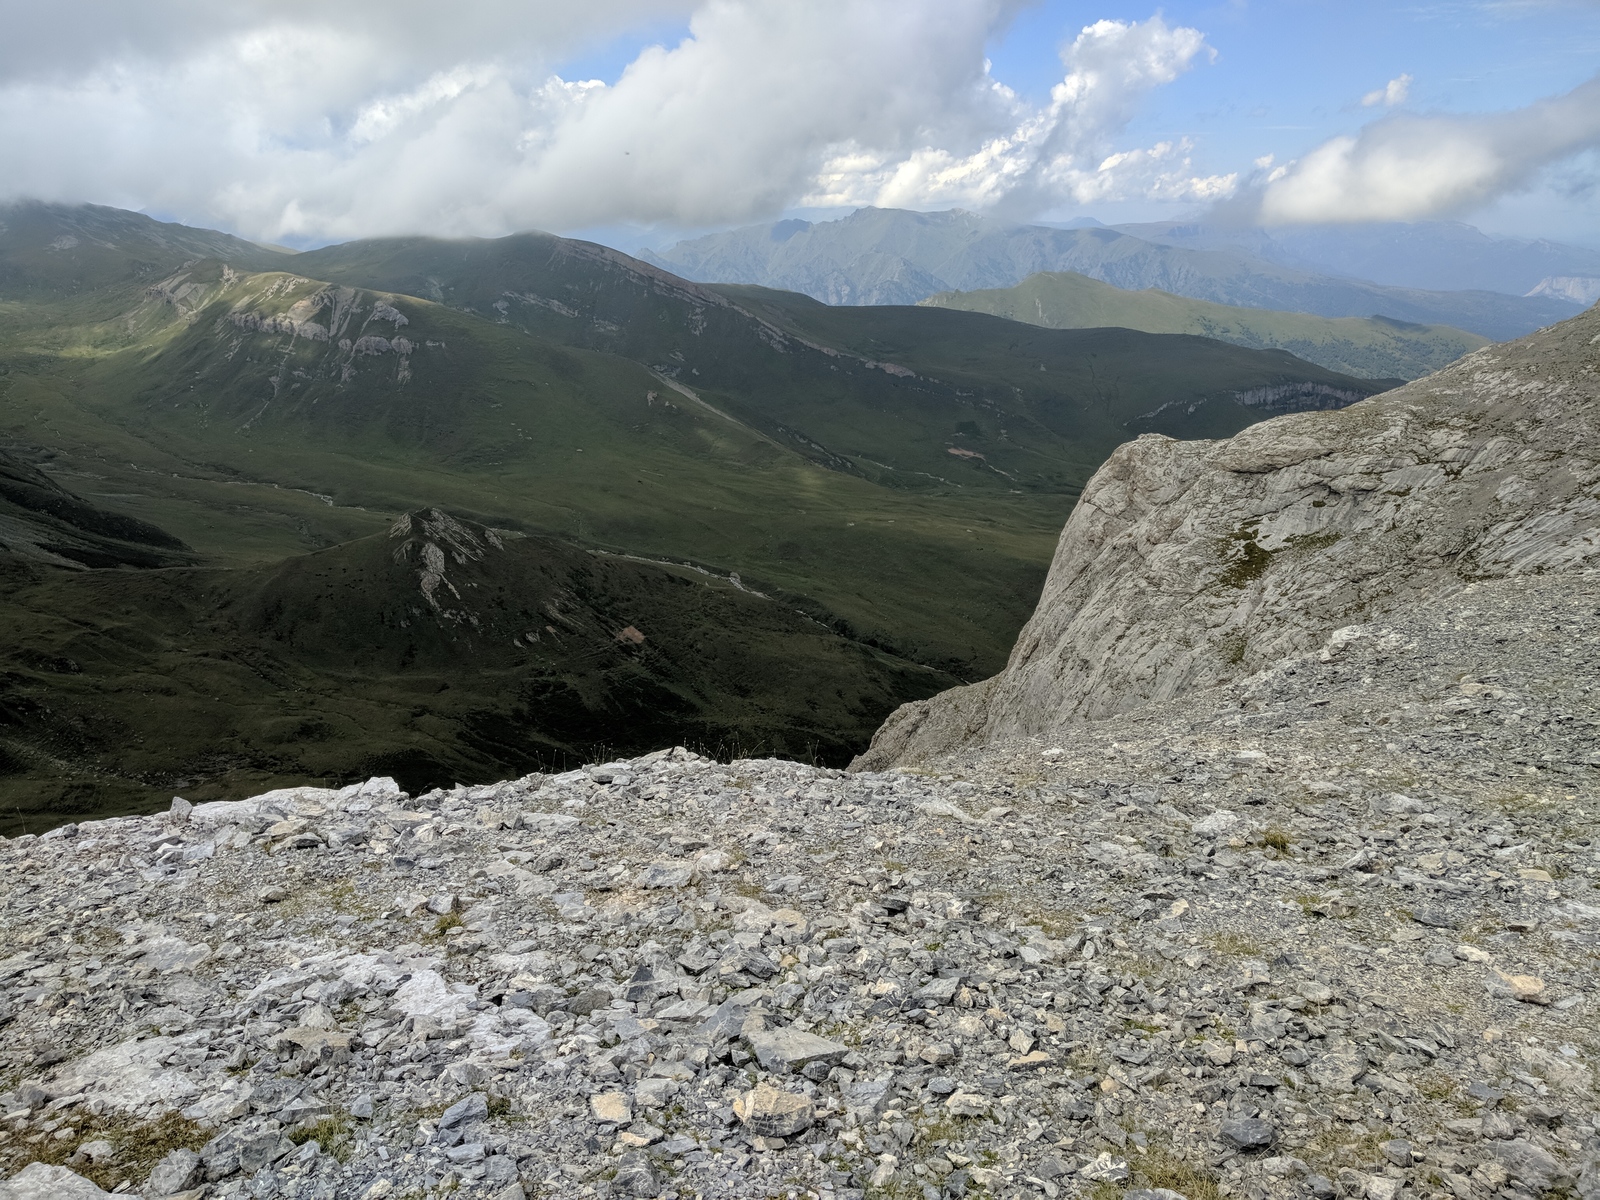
40	1182
1249	1133
179	1171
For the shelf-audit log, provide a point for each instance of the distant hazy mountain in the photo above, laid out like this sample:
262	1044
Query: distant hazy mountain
1441	255
891	256
1374	347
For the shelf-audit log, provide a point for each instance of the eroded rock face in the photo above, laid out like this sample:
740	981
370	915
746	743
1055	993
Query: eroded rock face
1187	564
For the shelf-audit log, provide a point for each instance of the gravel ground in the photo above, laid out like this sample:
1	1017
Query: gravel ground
1332	930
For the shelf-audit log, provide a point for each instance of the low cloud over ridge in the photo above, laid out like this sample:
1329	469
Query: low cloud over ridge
305	123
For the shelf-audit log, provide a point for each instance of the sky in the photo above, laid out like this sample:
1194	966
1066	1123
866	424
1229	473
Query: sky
640	121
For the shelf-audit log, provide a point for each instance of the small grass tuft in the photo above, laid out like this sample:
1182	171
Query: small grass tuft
332	1135
1162	1168
139	1146
450	920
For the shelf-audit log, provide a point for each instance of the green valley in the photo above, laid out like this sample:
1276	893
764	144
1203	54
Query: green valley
895	477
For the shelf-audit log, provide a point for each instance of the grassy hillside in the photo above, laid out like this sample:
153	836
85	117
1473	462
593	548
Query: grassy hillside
1373	347
521	653
884	393
900	475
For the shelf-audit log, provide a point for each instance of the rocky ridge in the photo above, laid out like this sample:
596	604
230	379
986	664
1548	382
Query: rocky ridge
1330	930
1188	564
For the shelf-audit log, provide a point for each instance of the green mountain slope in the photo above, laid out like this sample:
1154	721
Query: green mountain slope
440	650
891	256
43	522
1374	347
562	387
900	475
879	392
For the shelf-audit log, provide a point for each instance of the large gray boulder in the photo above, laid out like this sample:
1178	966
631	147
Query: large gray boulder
1188	564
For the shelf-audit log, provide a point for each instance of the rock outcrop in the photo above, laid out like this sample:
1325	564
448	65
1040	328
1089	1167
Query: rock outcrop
1327	932
1187	564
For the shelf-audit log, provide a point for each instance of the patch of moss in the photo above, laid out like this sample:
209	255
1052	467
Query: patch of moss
332	1134
1161	1168
1249	559
139	1146
450	920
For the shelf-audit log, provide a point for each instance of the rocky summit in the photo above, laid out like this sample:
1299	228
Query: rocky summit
1313	910
1327	931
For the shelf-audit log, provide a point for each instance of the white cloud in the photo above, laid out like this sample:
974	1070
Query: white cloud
1405	167
1061	153
1392	93
310	121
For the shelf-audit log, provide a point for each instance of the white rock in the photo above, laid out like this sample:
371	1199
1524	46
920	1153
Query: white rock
39	1182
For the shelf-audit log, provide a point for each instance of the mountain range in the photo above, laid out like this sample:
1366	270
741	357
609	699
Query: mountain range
891	256
1434	255
868	494
1367	346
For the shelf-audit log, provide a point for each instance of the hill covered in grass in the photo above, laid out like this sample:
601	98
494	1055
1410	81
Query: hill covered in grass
436	651
899	475
1373	347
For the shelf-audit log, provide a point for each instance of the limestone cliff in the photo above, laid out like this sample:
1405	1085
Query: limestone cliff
1190	563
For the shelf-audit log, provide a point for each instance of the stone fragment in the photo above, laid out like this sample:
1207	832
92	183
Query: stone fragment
273	894
1248	1133
664	875
1398	1151
967	1104
766	1111
1313	992
613	1108
36	1181
635	1176
1531	1165
1529	989
790	1049
1105	1168
465	1111
179	1171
